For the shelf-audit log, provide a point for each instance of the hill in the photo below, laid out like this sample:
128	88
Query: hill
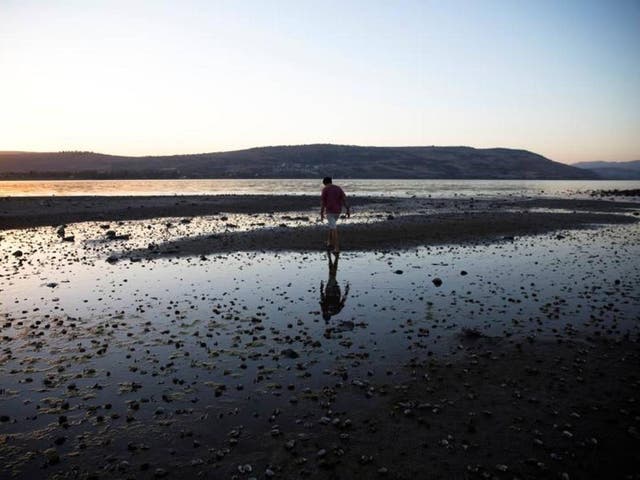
613	170
298	161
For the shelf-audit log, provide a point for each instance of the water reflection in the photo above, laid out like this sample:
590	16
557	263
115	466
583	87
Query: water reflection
385	188
331	298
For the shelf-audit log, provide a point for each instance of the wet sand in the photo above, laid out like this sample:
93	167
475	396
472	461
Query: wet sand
390	234
206	357
25	212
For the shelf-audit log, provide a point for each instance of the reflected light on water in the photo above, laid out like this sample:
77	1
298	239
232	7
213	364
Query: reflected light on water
397	188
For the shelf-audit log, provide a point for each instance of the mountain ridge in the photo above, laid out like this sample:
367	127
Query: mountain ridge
613	170
296	161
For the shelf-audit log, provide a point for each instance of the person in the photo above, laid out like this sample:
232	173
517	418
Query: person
333	199
331	298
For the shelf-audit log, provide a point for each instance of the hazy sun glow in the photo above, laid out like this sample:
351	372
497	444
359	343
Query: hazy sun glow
146	77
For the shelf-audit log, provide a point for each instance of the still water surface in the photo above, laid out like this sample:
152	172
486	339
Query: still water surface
395	188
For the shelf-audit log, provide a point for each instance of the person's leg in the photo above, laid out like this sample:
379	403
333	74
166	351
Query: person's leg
331	221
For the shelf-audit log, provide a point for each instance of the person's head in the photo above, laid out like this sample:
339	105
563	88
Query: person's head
327	181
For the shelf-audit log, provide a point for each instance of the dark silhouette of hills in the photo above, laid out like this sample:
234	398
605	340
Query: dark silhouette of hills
613	170
296	161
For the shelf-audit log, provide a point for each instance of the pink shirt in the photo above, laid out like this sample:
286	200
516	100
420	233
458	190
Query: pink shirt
332	198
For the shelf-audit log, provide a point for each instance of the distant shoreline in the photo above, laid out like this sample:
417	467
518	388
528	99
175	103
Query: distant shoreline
297	161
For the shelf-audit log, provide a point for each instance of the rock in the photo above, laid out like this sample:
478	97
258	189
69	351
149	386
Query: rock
112	259
472	333
111	235
51	456
398	272
463	272
4	418
437	281
289	353
17	253
344	326
69	238
160	473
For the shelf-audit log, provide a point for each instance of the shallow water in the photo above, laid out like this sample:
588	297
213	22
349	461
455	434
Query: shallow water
177	339
533	286
392	188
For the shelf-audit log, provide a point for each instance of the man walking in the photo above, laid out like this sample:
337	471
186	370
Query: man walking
333	199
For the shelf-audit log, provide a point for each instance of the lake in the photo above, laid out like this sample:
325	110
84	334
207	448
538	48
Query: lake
394	188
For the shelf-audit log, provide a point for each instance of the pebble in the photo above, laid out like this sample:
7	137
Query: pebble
51	455
290	353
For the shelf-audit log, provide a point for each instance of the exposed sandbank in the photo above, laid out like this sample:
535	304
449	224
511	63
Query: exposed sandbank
399	232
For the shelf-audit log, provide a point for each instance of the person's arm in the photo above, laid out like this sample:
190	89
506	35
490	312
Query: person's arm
346	204
323	204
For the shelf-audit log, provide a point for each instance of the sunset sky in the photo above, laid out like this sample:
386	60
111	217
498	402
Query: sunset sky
561	78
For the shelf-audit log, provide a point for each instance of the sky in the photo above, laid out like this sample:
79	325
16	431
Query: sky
560	78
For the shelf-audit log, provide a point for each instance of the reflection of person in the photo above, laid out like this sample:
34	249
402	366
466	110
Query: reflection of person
331	298
333	199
